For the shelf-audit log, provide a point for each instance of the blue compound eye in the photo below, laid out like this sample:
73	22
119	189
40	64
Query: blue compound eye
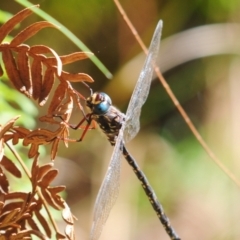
100	103
101	108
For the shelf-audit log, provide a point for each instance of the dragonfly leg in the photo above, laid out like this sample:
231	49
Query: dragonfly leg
88	119
87	127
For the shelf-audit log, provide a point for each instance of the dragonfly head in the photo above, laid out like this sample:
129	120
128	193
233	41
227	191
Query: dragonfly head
99	103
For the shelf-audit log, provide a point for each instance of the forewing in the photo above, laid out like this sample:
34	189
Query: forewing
108	192
142	87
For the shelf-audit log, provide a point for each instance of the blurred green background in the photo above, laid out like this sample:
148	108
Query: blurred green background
200	60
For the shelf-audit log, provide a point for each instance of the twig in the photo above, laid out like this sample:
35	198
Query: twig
176	102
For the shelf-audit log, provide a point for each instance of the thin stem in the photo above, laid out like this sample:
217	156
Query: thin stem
176	102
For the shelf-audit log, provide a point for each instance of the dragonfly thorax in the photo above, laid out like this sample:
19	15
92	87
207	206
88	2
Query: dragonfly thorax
99	103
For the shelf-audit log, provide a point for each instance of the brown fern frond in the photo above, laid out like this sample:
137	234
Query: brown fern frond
44	169
69	219
4	184
39	50
4	131
67	215
6	28
12	70
36	72
5	128
54	148
48	177
30	31
47	85
60	236
18	208
26	234
1	71
23	64
10	167
77	77
70	58
43	222
48	198
58	97
33	70
33	225
43	136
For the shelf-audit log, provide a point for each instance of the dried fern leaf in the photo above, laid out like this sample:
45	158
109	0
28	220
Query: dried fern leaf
17	195
12	205
1	70
76	77
21	131
70	58
24	68
4	184
33	205
7	126
58	97
1	205
44	169
12	70
33	151
40	136
6	138
65	136
67	215
47	85
42	49
33	224
26	234
56	190
58	200
1	147
30	31
44	223
48	178
15	139
47	196
65	108
59	236
10	167
54	148
36	72
34	173
12	214
7	27
49	119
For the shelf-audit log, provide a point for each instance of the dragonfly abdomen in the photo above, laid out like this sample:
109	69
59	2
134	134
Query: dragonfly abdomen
150	194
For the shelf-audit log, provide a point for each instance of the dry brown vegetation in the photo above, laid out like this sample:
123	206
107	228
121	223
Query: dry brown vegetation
32	70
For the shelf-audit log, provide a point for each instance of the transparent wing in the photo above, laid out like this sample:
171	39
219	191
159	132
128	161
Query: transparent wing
108	192
142	87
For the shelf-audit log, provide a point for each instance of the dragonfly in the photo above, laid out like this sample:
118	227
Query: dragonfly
120	128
